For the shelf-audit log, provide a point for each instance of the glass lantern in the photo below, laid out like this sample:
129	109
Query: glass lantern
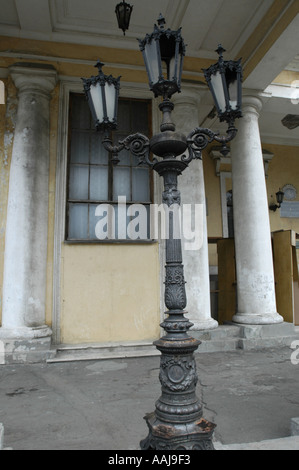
123	13
225	82
163	53
102	94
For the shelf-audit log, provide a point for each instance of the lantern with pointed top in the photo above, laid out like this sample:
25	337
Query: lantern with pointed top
225	82
123	13
102	94
163	53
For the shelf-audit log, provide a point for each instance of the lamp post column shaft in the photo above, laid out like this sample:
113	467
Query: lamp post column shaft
177	421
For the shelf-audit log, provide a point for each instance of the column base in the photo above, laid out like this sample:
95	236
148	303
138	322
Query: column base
196	435
209	324
25	345
258	318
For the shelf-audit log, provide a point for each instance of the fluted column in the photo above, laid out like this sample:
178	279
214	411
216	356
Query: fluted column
254	261
25	263
192	185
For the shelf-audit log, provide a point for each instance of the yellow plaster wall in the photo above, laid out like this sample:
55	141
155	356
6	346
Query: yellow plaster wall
283	169
110	293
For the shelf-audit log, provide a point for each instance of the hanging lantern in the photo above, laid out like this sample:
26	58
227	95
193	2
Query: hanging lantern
225	82
163	54
102	94
123	13
279	197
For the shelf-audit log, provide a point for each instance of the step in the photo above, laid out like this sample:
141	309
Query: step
267	342
219	333
224	338
254	337
101	351
285	443
224	345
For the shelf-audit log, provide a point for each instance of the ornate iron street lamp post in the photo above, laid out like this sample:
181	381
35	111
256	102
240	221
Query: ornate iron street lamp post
177	422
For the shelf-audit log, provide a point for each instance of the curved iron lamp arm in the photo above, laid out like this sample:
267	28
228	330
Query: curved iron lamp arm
201	137
137	144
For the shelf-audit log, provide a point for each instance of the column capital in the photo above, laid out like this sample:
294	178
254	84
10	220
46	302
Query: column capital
34	77
251	103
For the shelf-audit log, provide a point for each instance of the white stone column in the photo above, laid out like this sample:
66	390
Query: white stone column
254	261
192	187
25	263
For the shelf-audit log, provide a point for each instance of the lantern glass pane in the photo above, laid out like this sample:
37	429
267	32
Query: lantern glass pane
165	70
180	68
217	85
233	94
172	69
121	13
97	99
280	197
128	12
152	61
110	94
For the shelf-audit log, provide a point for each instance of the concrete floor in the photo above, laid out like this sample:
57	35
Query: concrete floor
251	396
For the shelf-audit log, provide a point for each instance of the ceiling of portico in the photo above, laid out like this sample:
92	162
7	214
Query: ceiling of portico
265	33
94	21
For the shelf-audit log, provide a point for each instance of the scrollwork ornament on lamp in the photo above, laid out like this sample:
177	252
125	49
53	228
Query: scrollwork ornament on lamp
177	422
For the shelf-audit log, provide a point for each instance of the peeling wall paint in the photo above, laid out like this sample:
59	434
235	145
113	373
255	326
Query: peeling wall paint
7	126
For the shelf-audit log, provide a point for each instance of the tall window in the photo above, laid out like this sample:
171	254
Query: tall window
94	182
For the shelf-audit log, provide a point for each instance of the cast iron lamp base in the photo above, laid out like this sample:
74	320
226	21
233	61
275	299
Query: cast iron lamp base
177	423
